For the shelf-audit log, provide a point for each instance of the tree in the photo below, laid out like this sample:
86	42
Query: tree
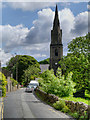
80	45
78	62
30	73
21	63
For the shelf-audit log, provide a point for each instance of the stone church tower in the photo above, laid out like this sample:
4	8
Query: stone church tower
56	46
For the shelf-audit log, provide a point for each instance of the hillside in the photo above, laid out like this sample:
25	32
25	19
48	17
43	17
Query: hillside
46	61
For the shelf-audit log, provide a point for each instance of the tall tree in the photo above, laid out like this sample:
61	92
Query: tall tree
77	61
19	63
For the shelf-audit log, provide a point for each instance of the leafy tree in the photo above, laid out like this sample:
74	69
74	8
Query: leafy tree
30	73
80	45
3	83
21	63
78	62
57	85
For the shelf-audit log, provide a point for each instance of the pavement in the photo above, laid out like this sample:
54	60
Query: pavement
1	108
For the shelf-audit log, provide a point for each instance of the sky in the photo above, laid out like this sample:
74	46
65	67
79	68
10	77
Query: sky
25	27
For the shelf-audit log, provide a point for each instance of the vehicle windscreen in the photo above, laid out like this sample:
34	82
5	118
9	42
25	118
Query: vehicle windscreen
34	84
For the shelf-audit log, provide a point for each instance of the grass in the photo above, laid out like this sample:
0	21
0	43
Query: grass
78	99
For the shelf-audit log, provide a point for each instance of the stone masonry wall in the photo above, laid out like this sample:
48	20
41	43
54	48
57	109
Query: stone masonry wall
9	87
73	106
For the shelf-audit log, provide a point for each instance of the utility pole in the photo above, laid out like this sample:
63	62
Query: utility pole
16	68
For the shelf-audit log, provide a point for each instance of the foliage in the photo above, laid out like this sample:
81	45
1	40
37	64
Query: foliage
78	62
21	63
75	115
30	73
78	99
65	109
3	84
80	45
56	85
14	82
59	105
46	61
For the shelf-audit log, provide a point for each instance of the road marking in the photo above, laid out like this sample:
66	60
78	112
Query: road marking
54	111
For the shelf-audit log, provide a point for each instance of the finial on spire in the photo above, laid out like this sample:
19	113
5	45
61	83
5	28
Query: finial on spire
56	19
56	9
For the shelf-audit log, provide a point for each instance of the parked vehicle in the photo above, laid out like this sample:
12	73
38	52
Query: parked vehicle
34	83
29	88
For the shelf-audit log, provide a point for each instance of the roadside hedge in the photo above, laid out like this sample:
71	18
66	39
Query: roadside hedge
14	82
3	83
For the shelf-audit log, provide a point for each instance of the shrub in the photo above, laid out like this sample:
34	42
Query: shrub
75	115
59	105
3	84
59	85
14	82
65	109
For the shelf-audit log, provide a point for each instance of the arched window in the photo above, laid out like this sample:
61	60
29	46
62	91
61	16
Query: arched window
56	52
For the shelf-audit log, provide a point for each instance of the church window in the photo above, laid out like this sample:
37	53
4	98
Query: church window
56	52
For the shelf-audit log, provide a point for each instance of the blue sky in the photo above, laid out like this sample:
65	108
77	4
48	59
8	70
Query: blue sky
26	27
17	16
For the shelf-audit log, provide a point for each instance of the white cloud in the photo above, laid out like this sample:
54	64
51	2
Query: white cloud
13	36
4	57
81	24
41	30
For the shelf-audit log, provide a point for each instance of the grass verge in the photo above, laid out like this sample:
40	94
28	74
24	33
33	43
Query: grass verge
78	99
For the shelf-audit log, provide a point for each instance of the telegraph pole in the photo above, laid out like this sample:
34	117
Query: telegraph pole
16	68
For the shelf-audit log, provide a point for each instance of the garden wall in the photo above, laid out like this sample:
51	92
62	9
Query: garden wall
9	87
73	106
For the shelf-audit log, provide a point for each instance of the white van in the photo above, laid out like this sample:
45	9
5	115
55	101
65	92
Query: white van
34	83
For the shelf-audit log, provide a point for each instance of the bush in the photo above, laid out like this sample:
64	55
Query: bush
59	85
59	105
14	82
65	109
75	115
3	84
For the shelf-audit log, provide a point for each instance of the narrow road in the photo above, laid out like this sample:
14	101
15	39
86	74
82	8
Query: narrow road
20	104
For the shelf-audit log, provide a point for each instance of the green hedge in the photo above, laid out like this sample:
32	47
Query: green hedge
3	84
14	82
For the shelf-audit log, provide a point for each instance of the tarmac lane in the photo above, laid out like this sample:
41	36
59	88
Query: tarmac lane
22	105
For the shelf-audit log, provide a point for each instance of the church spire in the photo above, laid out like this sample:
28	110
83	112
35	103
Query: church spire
56	19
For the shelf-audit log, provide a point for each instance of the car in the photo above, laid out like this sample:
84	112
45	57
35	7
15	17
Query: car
34	83
29	88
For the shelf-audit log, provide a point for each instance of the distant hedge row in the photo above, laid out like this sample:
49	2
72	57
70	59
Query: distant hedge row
46	61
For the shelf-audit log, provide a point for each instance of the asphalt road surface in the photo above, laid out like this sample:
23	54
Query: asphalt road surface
20	104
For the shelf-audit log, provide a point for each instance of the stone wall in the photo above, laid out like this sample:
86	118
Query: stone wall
10	87
73	106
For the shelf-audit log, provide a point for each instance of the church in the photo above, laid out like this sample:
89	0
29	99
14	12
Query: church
56	46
